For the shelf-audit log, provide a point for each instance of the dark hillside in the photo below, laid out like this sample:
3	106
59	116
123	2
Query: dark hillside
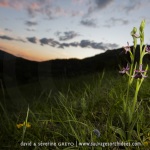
21	71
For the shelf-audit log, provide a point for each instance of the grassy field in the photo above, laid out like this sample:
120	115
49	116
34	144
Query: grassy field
71	111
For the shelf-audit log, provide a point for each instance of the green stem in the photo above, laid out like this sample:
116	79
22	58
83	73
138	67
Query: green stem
135	96
131	69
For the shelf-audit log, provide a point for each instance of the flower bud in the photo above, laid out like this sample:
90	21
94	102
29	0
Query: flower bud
133	32
142	26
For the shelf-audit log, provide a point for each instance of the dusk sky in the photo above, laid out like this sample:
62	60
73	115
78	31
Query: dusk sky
49	29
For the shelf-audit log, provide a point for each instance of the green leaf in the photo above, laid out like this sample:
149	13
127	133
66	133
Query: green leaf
118	131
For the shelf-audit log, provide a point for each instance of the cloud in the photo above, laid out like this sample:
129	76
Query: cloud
96	5
5	37
90	44
82	44
45	41
132	6
32	39
50	41
47	9
74	44
95	45
31	23
62	45
50	9
115	21
33	9
88	22
101	4
67	35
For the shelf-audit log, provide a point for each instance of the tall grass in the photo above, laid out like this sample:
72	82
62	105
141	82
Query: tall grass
70	115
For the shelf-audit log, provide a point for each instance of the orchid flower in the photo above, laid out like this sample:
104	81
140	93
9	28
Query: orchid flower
124	70
139	73
136	35
127	48
147	49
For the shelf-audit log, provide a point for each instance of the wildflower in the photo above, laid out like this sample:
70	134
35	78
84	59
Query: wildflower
127	48
139	73
146	143
19	125
147	49
28	125
124	70
96	132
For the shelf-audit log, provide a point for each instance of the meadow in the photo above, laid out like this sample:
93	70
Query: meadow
106	110
74	110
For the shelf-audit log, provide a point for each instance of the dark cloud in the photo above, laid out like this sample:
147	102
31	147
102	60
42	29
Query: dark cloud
74	44
95	45
91	44
31	23
32	39
45	41
66	35
51	42
82	44
100	4
5	37
88	22
62	45
85	43
112	46
96	5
